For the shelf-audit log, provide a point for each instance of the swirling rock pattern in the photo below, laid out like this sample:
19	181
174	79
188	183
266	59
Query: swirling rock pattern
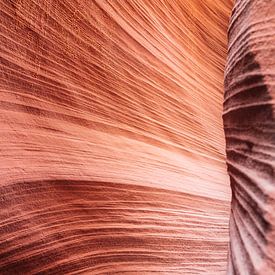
112	146
250	136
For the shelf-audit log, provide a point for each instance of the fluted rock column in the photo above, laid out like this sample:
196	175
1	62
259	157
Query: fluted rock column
250	136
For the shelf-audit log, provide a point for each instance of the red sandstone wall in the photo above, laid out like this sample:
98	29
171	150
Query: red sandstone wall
112	148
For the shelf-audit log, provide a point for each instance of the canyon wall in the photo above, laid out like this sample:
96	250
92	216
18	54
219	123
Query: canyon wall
112	144
250	136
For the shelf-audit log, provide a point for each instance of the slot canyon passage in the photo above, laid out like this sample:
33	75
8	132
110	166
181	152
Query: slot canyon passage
115	122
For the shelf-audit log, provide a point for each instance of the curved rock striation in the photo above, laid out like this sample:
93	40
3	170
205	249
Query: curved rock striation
112	145
250	136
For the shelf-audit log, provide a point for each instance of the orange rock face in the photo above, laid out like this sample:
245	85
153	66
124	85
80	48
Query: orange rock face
112	146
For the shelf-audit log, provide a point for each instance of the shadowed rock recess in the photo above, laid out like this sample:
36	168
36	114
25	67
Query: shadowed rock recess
250	136
112	157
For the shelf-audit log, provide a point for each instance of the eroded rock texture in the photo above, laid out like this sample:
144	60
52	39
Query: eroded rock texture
250	136
112	146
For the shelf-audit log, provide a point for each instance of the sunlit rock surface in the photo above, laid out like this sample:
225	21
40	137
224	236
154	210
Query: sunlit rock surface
112	146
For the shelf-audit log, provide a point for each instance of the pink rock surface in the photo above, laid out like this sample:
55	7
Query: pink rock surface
250	136
112	145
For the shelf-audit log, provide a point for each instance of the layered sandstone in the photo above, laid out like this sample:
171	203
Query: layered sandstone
112	146
250	136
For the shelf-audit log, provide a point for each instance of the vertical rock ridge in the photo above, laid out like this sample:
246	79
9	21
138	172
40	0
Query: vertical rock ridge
250	136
